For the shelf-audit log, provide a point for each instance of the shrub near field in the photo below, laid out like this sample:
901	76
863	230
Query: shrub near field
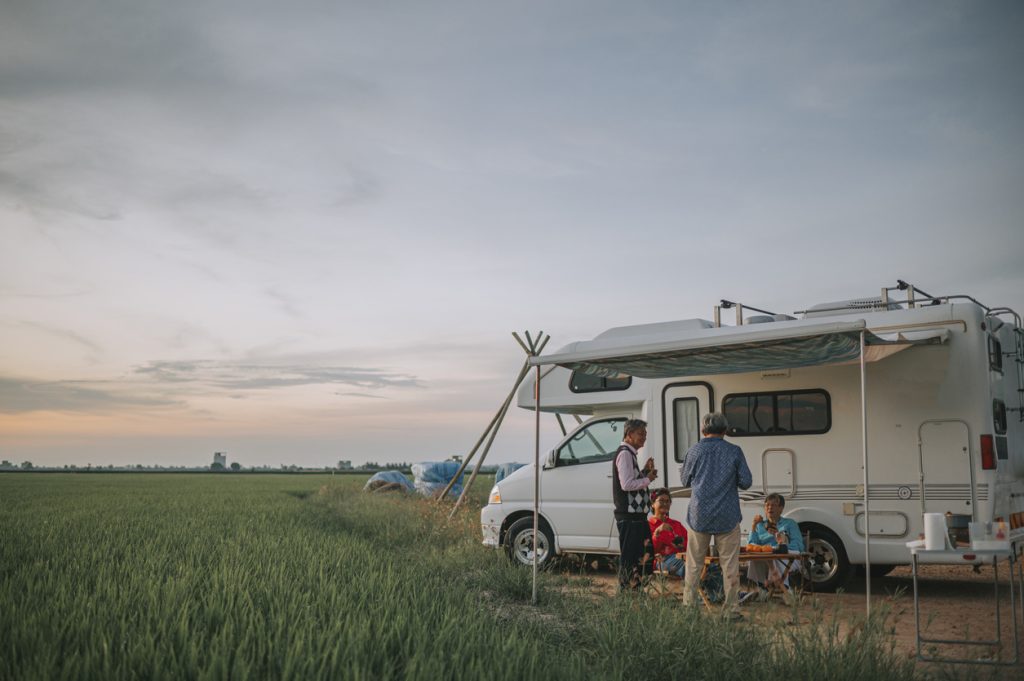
304	577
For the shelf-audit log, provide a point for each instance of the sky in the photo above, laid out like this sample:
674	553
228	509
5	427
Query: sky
303	232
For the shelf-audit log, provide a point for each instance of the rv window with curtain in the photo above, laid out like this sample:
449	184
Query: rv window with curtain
580	382
597	441
687	425
784	412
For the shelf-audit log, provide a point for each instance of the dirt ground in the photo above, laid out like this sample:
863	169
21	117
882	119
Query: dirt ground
956	603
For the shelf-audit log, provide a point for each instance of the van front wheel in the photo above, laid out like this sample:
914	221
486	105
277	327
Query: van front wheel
520	544
828	565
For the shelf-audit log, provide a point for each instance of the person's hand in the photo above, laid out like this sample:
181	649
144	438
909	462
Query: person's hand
757	519
652	474
664	527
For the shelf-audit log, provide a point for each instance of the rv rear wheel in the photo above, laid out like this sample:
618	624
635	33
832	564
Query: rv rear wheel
520	545
828	565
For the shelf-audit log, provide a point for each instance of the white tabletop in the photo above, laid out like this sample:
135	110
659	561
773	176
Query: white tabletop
964	556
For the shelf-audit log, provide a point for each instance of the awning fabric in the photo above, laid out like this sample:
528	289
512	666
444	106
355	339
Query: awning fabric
724	350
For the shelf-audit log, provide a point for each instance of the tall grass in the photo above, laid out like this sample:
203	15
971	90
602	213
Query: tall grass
286	577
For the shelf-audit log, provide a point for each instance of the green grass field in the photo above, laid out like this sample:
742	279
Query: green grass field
135	576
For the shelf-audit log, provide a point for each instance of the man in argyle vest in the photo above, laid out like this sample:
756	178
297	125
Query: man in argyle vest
632	504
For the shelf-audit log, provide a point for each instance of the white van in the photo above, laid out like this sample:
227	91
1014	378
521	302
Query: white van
943	407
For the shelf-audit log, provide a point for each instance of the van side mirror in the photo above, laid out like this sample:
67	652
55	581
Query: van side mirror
551	460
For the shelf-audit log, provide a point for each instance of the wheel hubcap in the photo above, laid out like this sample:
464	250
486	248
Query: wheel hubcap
523	547
824	563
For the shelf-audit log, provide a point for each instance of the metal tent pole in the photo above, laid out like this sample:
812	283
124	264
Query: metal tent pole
492	426
483	455
867	507
495	425
536	477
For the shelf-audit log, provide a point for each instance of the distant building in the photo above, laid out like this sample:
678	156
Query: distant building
344	465
220	458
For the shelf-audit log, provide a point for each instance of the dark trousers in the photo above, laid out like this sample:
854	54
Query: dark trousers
635	552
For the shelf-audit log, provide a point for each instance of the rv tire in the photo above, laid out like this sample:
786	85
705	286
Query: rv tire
519	542
829	566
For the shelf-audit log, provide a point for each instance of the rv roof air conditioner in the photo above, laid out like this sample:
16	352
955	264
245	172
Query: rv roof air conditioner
765	318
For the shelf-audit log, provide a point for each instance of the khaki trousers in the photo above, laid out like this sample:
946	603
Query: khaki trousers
728	545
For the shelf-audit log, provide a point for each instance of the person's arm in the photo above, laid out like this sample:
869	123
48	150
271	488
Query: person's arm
624	467
686	470
743	477
661	532
761	536
680	531
796	538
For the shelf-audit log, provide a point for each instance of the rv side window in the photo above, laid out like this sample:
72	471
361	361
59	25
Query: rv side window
786	412
580	382
995	354
597	441
999	416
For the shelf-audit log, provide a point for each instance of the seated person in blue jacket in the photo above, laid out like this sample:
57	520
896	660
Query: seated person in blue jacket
772	531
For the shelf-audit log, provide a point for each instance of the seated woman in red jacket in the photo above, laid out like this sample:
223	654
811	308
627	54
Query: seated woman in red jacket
669	536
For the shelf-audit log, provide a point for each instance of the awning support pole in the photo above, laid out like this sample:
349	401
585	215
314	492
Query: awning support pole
867	507
536	478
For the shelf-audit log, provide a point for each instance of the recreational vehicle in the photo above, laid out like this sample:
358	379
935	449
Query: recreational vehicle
864	414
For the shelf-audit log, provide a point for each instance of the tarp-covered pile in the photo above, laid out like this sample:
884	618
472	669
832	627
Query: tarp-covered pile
430	478
388	481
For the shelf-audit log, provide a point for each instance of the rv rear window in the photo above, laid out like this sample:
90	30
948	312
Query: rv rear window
999	416
786	412
995	354
580	382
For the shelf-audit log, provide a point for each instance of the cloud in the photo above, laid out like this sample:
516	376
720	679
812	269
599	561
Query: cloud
66	334
376	397
262	376
21	396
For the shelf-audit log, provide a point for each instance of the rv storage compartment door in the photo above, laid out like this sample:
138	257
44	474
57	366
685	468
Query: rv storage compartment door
946	467
777	469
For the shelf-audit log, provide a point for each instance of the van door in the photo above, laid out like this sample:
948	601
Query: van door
946	467
682	407
576	486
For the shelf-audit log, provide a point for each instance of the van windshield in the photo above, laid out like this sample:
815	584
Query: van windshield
597	441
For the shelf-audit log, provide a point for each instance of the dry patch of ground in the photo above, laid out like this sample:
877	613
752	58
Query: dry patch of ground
957	602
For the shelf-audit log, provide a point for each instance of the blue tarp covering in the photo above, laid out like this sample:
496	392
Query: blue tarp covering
432	477
506	469
385	477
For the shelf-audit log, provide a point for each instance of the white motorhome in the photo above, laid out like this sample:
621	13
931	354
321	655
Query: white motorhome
943	399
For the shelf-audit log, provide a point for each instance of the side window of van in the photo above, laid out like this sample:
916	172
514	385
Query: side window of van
580	382
597	441
785	412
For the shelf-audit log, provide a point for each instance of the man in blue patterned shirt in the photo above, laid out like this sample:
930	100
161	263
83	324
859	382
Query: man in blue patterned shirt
714	470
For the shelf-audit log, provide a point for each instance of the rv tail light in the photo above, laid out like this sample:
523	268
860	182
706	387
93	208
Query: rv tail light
988	453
